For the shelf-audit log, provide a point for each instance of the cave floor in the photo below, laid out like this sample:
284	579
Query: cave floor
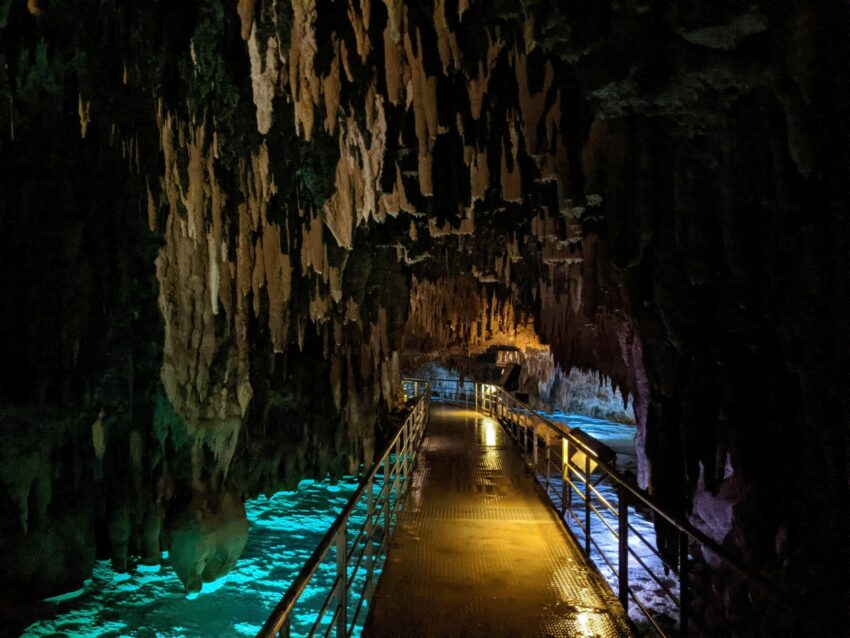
478	553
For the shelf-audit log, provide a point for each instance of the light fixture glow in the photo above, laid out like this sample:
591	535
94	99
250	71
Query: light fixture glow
579	458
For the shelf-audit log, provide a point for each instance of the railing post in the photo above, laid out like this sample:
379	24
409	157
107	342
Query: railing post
587	504
525	439
341	572
548	460
534	447
684	593
398	468
517	428
475	390
370	545
623	519
416	427
388	490
405	446
566	492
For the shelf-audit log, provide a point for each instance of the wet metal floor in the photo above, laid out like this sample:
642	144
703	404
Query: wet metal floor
478	553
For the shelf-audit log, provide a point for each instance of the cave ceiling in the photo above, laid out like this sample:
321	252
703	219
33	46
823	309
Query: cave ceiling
229	227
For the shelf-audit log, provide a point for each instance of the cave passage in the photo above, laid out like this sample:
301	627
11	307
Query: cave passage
231	231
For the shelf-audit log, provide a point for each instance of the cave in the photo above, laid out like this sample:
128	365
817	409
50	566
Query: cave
246	245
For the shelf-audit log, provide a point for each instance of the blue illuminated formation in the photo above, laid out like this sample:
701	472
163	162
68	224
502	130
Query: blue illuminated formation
284	531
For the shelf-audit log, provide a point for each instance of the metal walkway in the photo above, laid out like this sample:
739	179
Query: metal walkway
474	513
478	553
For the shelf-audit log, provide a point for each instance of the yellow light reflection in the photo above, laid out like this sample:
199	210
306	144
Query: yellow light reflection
459	413
489	426
584	624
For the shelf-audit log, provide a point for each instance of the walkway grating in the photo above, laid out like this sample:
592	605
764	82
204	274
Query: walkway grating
478	553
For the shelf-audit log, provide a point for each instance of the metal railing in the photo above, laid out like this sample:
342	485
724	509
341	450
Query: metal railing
598	506
356	544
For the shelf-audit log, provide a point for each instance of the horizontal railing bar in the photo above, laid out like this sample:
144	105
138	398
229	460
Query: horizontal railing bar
636	493
398	502
360	602
648	545
649	571
350	581
325	606
580	523
603	499
603	555
362	531
382	548
649	616
575	488
602	518
334	621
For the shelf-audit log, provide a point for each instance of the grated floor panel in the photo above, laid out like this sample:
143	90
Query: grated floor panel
478	553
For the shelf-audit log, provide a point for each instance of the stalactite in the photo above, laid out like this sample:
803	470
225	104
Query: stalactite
304	84
478	85
264	78
424	92
488	181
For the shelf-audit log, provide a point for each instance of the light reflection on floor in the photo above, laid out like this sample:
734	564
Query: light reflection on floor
475	553
284	531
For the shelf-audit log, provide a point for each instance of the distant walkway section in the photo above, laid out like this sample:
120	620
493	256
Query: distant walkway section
478	553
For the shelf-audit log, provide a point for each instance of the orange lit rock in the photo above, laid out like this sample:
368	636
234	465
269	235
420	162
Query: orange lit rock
245	8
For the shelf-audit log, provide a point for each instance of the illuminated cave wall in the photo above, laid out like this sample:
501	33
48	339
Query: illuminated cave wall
224	224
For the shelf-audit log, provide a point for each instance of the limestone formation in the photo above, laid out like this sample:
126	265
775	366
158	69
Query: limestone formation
227	227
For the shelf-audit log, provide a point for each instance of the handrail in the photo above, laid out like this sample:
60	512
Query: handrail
494	400
648	501
404	445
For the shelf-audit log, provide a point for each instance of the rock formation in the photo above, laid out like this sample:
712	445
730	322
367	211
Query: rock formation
225	225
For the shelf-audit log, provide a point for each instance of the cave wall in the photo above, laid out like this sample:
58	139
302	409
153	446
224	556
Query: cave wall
721	148
227	223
